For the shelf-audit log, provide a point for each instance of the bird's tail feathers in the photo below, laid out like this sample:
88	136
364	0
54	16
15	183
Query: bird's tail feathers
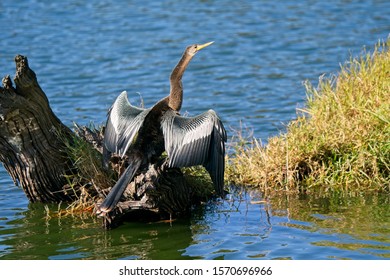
116	192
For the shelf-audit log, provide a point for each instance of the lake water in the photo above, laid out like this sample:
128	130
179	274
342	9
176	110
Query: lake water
86	52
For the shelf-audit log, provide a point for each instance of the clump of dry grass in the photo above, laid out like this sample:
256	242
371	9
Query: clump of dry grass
87	176
339	142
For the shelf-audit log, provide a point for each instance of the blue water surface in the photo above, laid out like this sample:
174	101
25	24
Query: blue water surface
86	52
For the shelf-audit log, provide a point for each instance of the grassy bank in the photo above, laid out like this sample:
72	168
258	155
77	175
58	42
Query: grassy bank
339	142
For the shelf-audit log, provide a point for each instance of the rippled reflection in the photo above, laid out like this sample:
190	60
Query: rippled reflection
245	226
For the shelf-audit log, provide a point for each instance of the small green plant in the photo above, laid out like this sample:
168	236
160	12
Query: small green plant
199	180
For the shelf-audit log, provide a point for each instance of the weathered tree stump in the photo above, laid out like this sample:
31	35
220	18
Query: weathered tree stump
31	150
35	145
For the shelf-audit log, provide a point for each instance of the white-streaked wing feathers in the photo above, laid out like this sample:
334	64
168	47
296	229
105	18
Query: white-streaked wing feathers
123	123
198	140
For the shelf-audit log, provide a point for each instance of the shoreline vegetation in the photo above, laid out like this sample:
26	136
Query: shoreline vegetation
339	143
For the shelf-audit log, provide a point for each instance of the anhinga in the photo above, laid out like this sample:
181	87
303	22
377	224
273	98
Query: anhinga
144	134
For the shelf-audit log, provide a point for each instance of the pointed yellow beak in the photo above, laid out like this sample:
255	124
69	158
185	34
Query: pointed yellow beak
204	45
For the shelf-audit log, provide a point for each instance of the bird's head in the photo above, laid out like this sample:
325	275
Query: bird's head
193	49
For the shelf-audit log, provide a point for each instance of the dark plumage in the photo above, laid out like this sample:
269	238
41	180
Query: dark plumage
144	134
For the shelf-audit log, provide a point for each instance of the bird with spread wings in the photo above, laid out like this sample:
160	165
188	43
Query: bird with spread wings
144	134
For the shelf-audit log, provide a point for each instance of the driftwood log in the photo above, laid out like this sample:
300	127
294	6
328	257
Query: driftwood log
34	147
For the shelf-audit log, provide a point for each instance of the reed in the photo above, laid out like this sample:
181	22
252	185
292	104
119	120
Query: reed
340	142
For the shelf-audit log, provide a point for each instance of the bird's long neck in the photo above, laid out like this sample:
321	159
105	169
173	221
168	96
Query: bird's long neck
176	91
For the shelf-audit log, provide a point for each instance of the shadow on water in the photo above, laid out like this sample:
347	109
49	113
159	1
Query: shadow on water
244	226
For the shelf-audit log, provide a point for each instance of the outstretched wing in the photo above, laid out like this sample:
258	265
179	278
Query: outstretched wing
123	123
198	140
